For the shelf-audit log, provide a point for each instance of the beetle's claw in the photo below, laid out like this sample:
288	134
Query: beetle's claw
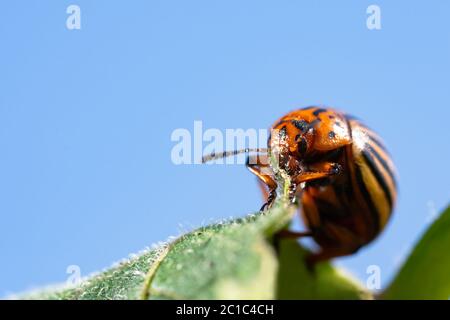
270	200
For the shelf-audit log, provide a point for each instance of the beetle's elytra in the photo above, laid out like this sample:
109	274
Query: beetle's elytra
341	175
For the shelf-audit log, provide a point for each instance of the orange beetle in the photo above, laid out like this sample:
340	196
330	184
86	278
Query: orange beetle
340	172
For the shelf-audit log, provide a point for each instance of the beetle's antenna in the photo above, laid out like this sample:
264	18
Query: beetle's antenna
214	156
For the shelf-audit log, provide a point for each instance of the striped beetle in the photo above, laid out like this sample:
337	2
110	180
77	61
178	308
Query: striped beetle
340	172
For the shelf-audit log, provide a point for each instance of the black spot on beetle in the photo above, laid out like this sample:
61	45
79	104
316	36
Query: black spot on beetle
319	111
332	134
300	124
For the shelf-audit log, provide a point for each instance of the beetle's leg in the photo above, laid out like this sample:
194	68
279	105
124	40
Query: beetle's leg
318	170
288	234
292	192
263	188
262	171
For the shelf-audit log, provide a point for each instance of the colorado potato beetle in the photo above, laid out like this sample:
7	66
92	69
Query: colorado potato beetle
341	175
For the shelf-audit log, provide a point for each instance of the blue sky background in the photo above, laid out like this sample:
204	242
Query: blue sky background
86	117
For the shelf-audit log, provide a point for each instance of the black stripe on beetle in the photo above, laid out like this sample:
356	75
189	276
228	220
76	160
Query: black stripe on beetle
379	177
367	198
383	163
376	141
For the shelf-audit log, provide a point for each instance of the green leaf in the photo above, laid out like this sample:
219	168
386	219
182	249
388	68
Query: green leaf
426	273
123	281
295	280
231	260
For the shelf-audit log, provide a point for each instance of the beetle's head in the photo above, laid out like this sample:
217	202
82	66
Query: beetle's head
290	142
